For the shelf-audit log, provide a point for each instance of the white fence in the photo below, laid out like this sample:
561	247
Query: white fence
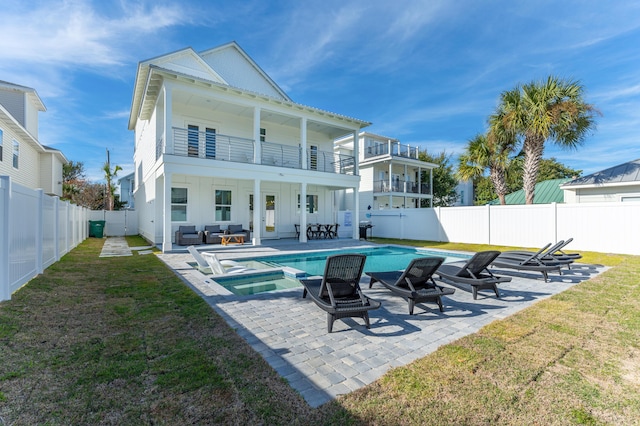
36	230
117	223
600	227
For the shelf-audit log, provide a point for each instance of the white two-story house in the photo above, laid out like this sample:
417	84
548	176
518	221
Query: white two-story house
22	156
391	174
218	142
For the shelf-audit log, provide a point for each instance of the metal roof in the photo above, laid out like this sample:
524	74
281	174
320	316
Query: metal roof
622	173
547	192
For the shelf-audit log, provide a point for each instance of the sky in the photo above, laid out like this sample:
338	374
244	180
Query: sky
426	72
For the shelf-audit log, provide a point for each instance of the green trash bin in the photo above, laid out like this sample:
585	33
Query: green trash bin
96	228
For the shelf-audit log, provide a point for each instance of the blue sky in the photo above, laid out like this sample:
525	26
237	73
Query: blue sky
426	72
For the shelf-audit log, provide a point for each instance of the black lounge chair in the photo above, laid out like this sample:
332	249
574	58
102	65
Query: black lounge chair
474	273
415	283
541	257
528	263
549	252
338	291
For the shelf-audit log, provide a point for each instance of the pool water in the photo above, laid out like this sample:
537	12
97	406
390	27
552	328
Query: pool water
277	272
387	258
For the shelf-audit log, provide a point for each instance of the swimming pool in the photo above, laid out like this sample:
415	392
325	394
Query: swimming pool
386	258
281	272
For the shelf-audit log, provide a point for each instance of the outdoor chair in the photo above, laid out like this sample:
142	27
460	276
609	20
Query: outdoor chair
212	234
527	264
415	283
237	229
297	230
204	265
474	273
550	252
187	236
542	257
338	291
223	267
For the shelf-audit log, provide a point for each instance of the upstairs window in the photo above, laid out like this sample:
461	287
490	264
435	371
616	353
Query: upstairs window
193	136
16	154
263	135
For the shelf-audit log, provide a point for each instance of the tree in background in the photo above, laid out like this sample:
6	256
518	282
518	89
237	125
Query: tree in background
73	179
444	181
488	152
550	168
109	175
552	110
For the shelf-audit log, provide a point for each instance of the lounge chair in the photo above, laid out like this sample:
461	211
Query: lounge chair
415	283
474	273
528	263
541	257
219	267
204	266
338	291
549	252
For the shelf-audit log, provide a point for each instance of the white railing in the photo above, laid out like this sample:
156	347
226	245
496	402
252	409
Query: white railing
36	230
395	149
600	227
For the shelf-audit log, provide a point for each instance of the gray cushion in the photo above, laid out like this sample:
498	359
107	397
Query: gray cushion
188	229
235	229
213	229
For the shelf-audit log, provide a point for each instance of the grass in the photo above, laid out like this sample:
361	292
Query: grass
123	341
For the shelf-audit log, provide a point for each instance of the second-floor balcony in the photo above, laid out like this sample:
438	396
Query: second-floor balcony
392	148
401	187
215	146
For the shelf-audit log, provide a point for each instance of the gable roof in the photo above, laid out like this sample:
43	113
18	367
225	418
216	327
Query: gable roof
547	192
150	76
32	95
626	173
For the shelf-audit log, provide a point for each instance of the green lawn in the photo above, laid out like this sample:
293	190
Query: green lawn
123	341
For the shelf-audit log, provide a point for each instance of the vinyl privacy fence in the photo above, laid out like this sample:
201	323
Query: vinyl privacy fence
601	227
36	230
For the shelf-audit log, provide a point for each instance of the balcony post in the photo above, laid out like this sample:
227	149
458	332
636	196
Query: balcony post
257	144
167	246
257	212
303	212
356	152
303	155
168	122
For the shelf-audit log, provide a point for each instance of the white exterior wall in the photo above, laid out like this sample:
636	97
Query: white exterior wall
601	194
13	101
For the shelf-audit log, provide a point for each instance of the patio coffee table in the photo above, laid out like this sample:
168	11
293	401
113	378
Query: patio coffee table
237	239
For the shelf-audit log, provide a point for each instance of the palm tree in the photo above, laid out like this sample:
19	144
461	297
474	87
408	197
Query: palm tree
109	175
484	152
552	110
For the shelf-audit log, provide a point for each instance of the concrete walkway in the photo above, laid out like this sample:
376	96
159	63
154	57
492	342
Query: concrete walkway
291	332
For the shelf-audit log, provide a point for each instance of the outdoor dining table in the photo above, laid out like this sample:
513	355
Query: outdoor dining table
320	230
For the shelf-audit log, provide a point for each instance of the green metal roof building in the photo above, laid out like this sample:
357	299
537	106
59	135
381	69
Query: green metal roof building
547	192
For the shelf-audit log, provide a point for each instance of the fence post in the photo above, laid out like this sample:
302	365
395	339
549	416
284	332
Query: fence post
488	223
39	229
5	198
56	230
554	206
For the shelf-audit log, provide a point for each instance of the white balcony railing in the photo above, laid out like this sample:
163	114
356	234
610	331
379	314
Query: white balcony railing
396	149
401	187
214	146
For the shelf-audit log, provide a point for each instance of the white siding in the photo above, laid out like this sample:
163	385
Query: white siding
28	171
13	101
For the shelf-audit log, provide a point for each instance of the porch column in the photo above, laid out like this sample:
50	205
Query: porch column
355	221
303	148
257	212
257	145
303	213
166	214
168	122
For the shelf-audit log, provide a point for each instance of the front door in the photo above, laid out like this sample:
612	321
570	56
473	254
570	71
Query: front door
270	227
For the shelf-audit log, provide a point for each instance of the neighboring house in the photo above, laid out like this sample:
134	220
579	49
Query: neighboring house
618	183
464	190
22	156
546	192
126	190
218	142
391	174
